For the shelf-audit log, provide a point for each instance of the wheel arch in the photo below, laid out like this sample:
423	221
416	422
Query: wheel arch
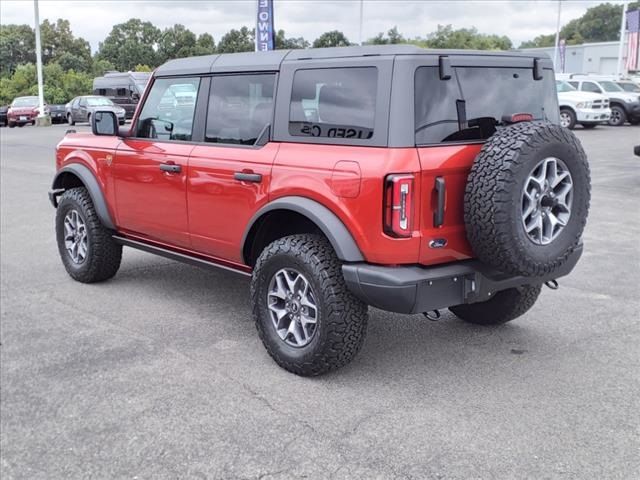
76	175
311	214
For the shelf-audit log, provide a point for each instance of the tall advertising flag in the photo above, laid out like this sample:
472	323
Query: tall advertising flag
633	40
563	54
265	33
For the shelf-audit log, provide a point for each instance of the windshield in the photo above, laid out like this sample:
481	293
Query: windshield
99	102
475	101
629	87
610	87
25	102
564	87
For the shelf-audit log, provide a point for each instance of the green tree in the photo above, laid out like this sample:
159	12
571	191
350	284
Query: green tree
205	45
131	43
334	38
540	41
466	38
142	68
284	43
392	37
58	41
100	67
237	41
17	46
176	42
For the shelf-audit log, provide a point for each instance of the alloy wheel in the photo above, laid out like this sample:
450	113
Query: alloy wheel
76	239
546	201
292	307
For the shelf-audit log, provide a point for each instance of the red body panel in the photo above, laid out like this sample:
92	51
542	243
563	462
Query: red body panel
220	207
204	210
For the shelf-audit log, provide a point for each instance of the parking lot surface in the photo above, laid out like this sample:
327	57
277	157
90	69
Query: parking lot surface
159	373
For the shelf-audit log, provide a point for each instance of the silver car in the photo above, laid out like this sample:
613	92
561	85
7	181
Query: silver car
80	108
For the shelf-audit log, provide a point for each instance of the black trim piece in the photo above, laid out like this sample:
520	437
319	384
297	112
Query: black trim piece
341	240
89	181
438	215
180	257
417	289
264	136
444	65
538	74
247	177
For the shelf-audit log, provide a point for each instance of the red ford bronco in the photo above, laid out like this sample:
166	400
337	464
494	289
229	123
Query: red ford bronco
407	179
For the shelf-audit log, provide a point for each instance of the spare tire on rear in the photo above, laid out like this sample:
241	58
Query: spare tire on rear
527	198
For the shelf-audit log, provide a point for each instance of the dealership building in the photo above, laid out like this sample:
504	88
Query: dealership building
601	57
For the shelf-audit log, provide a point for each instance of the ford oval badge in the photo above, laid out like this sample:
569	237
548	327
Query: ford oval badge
438	243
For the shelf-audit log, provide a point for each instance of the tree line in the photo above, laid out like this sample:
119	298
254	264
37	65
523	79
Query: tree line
136	45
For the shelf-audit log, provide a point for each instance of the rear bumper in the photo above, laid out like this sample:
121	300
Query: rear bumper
414	289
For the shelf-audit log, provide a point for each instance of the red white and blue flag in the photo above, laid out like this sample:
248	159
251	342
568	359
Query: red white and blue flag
633	27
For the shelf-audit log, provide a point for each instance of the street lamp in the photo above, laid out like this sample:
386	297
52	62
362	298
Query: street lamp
42	119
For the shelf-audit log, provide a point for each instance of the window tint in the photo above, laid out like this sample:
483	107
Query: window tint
473	103
122	92
240	106
590	87
574	84
168	111
334	102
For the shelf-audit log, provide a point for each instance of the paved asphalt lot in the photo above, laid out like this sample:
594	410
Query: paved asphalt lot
159	372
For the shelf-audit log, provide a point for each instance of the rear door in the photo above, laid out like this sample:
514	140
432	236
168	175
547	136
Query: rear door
150	169
230	173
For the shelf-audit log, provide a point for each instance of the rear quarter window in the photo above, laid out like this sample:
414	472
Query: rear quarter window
483	95
334	103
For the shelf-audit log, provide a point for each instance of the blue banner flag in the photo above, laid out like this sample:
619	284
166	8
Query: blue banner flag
265	33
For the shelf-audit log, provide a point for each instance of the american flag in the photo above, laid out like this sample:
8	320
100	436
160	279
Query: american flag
633	27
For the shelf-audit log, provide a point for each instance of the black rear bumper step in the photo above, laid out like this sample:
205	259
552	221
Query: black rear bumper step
415	289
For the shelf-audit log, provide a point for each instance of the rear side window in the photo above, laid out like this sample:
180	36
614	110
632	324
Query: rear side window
240	107
590	87
471	104
168	111
334	102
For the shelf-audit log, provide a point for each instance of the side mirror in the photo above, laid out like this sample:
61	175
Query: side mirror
104	123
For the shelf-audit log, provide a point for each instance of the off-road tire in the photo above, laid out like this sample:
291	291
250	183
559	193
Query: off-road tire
571	117
505	306
618	116
103	253
493	198
342	318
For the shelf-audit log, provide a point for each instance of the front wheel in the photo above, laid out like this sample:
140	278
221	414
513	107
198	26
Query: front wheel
87	249
505	306
618	116
567	118
70	120
308	320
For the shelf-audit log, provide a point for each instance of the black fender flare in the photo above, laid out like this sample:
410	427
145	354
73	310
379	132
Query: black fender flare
87	177
336	232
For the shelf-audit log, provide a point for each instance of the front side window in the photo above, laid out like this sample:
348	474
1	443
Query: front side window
240	107
590	87
610	86
334	102
472	104
629	87
168	111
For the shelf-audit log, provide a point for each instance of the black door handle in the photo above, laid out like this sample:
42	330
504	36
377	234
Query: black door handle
248	177
170	167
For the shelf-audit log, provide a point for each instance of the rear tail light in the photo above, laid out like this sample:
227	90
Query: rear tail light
398	205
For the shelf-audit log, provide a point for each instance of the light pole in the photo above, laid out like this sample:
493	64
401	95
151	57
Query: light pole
557	44
42	118
620	68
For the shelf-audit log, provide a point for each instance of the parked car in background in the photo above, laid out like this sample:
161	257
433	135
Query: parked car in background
24	110
80	108
625	106
3	115
124	89
57	113
584	108
629	86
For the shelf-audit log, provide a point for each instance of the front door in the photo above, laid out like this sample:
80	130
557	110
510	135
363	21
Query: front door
229	176
150	167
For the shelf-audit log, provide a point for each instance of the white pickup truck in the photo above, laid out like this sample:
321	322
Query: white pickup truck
584	108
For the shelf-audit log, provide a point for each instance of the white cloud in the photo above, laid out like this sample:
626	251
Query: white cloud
518	19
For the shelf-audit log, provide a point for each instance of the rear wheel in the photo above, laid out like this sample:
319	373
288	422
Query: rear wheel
12	124
618	116
505	306
86	247
567	118
307	319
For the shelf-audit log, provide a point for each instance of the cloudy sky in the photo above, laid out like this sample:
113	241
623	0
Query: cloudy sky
518	19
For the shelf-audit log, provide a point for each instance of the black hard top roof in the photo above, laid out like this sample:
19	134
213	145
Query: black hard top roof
271	60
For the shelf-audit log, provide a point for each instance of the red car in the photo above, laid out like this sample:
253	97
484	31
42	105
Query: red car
407	179
23	110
